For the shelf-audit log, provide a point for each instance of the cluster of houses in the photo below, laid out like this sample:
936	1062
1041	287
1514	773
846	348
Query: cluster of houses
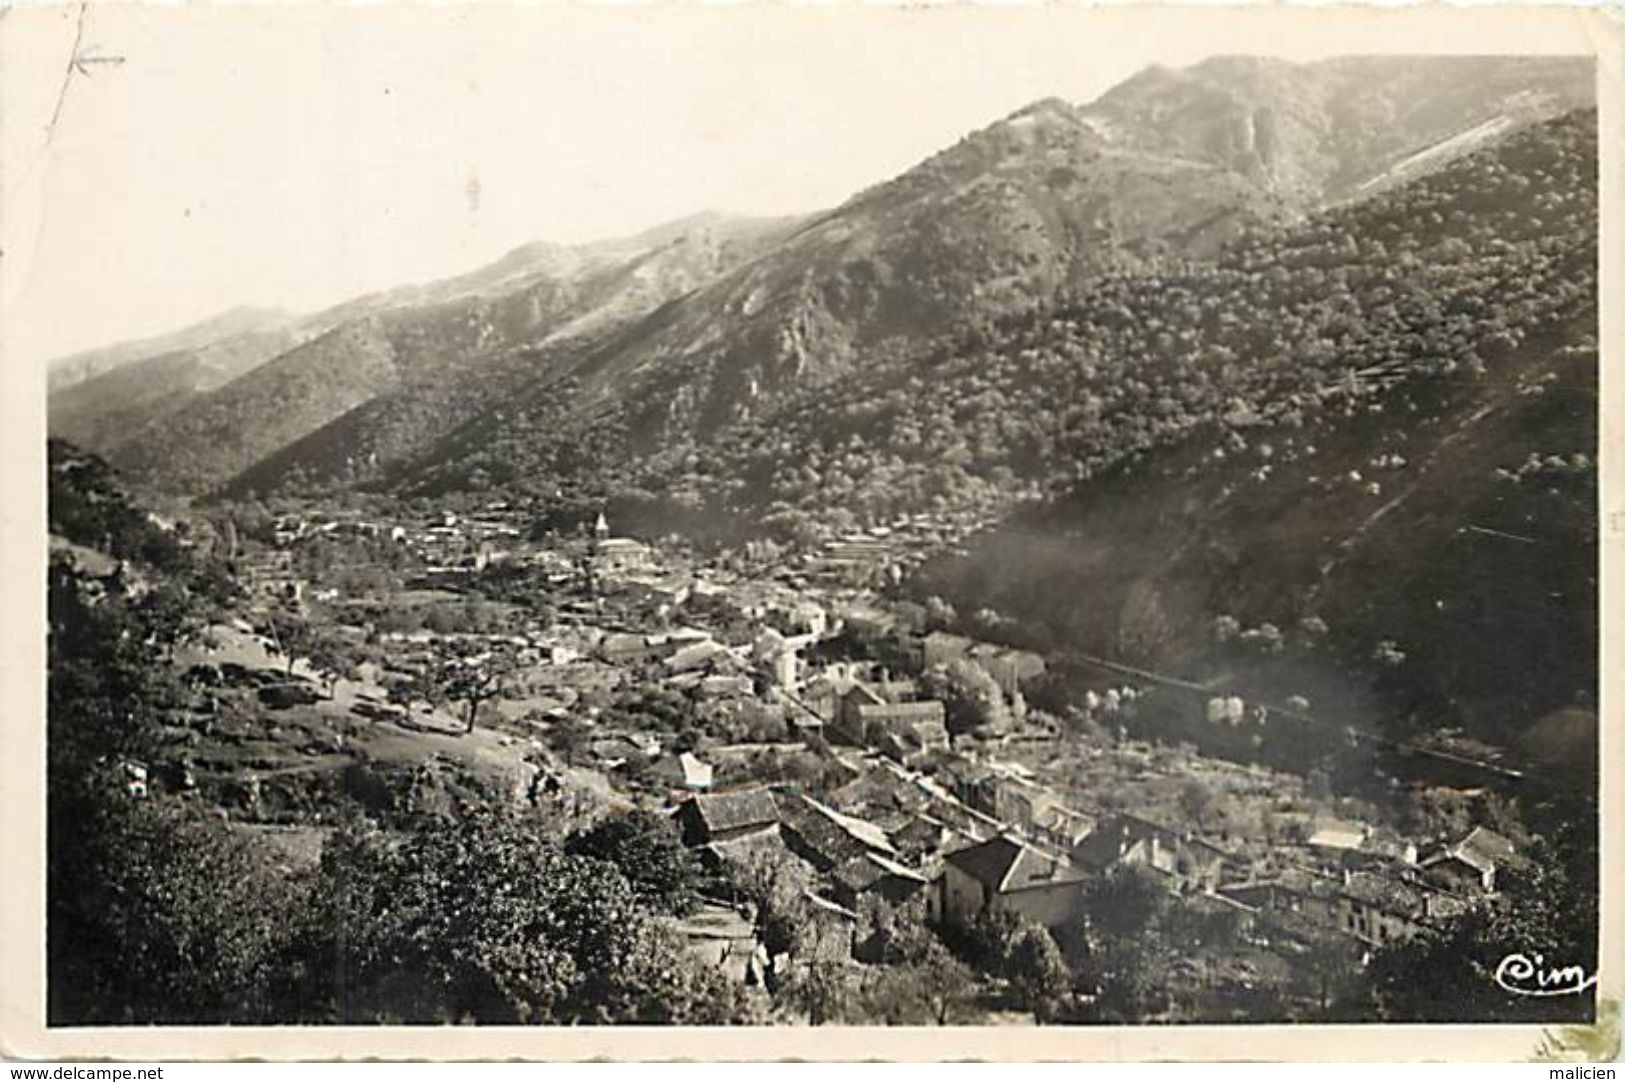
918	816
971	835
449	546
269	575
626	576
1009	668
883	554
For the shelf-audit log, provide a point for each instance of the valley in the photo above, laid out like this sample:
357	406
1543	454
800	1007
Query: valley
1138	565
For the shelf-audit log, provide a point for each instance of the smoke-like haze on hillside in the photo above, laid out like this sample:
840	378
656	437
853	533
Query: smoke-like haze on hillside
337	156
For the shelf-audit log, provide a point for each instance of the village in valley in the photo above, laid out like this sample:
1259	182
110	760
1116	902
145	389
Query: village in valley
1137	564
821	748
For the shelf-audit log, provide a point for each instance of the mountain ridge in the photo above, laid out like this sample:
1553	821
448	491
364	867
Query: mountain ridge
74	368
716	357
1162	170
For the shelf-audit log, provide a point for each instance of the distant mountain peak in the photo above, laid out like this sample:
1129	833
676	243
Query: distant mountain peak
1320	132
64	372
1242	64
1046	108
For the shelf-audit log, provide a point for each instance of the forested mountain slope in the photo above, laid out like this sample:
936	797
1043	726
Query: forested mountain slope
1397	497
107	409
1441	280
420	358
686	332
1053	202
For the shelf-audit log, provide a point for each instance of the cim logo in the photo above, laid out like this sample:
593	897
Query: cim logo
1524	975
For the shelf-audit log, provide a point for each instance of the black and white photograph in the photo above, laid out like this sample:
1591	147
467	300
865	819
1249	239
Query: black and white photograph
939	519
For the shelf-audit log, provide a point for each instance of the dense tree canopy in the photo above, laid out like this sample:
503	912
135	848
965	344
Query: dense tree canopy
645	846
488	919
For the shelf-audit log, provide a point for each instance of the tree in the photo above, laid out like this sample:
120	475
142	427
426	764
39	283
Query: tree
1130	981
947	985
646	848
1195	801
170	616
109	688
894	934
1124	949
160	918
991	939
294	636
1037	973
1435	812
1124	902
334	657
971	698
1142	626
1016	949
568	736
820	982
1200	927
775	885
213	588
1327	969
86	504
467	674
935	988
488	919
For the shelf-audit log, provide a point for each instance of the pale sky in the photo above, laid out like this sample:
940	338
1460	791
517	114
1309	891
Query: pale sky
297	156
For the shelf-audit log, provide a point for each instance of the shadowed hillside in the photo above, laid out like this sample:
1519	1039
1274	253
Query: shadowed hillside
1420	530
